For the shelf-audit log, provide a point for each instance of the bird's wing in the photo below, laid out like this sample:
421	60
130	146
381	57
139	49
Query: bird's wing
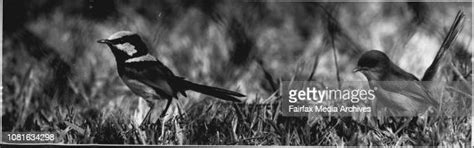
155	75
407	84
412	89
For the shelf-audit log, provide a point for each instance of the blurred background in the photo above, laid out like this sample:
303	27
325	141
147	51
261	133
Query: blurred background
57	78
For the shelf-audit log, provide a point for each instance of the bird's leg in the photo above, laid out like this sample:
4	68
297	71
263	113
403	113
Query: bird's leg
167	107
179	130
146	121
162	130
165	118
181	112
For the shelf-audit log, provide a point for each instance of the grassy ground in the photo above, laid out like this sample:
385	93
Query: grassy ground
56	78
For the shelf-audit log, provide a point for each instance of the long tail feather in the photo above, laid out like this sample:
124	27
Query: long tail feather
214	91
456	27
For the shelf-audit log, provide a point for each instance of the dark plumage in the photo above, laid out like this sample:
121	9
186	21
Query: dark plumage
149	78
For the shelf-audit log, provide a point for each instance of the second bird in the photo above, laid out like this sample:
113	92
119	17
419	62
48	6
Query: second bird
399	91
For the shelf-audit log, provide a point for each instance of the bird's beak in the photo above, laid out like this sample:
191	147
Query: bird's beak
104	41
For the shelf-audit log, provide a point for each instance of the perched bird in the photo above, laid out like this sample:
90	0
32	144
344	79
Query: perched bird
399	91
148	78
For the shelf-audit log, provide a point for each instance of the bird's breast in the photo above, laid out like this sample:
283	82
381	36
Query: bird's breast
139	88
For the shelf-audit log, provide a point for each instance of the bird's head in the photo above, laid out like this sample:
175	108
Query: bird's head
373	64
125	45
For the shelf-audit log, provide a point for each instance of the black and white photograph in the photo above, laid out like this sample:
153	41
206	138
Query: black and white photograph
236	73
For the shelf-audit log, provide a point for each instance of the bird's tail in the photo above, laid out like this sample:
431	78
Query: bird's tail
214	91
455	29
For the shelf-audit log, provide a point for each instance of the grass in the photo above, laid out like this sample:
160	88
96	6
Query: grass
56	78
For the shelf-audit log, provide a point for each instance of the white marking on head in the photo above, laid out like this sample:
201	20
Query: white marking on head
146	57
127	47
120	34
